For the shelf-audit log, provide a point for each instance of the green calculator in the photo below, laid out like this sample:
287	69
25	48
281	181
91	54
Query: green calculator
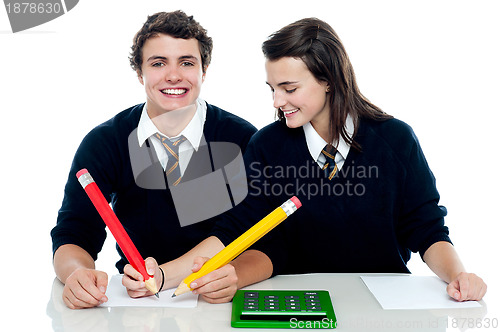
292	309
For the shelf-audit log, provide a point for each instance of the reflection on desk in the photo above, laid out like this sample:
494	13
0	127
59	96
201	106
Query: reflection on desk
354	305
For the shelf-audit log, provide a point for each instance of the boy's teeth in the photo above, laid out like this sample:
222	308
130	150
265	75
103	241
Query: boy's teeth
174	91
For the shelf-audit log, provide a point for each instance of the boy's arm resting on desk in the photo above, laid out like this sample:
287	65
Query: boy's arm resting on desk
84	287
443	260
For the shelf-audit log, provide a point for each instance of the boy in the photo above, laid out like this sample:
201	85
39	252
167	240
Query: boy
130	158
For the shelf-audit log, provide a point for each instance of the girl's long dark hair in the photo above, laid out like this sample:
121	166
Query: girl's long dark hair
316	43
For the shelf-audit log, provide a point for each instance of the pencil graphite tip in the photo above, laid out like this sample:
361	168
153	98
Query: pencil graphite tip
173	295
157	295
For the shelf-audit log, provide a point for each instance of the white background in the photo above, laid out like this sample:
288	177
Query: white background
433	64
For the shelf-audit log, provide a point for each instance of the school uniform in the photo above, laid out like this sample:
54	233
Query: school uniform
128	164
381	206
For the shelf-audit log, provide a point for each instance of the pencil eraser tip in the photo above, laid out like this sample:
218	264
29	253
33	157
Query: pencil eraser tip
81	172
296	201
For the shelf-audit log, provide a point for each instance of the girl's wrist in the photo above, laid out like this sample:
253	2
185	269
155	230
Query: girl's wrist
162	279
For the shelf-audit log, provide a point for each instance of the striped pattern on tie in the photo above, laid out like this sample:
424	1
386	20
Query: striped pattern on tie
330	167
172	170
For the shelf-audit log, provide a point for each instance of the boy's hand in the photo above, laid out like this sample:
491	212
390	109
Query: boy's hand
85	288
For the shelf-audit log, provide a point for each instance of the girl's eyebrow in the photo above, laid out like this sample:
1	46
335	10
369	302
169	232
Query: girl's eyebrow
287	83
284	83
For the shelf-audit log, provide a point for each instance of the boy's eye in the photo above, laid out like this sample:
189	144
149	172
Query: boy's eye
187	64
157	64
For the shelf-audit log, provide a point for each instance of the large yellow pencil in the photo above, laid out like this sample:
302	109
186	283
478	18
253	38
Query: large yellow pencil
241	243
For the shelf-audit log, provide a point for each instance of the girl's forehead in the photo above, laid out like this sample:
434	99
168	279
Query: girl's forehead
286	69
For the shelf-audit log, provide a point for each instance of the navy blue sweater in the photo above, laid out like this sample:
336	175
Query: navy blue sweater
148	215
381	207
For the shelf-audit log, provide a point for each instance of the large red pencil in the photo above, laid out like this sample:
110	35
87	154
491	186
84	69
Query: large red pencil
111	220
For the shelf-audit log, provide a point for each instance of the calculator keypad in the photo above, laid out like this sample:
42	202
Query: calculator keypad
310	302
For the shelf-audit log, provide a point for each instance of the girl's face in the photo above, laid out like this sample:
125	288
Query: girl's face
297	93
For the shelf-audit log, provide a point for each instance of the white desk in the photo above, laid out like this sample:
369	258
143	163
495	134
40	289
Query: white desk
355	307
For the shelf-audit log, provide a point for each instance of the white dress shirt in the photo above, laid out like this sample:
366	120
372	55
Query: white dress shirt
315	144
193	133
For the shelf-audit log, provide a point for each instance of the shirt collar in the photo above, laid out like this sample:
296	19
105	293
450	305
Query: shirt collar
315	143
193	131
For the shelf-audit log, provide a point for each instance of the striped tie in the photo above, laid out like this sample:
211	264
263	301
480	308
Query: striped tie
330	168
172	170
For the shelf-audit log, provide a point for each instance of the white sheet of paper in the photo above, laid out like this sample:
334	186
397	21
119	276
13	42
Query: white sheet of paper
118	297
413	292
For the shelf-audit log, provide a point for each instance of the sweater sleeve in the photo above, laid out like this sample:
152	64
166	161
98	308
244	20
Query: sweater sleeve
78	221
421	218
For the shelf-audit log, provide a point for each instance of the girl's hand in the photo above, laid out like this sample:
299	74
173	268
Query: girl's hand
466	287
218	286
134	281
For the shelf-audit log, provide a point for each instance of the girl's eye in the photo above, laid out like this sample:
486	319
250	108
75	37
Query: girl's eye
291	90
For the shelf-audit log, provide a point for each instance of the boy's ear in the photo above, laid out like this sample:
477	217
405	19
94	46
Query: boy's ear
204	73
139	76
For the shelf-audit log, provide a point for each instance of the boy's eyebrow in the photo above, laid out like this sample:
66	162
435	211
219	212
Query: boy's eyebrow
156	57
188	57
160	57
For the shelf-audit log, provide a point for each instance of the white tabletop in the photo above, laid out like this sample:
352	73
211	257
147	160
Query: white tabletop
355	307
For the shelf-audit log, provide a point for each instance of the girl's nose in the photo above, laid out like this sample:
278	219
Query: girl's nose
278	99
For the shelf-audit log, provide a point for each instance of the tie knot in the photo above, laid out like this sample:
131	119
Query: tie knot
172	147
329	152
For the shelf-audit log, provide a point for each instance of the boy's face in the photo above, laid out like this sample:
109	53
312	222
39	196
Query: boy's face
172	73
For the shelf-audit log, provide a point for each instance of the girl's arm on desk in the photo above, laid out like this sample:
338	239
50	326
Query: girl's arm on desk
443	260
174	271
216	287
220	285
